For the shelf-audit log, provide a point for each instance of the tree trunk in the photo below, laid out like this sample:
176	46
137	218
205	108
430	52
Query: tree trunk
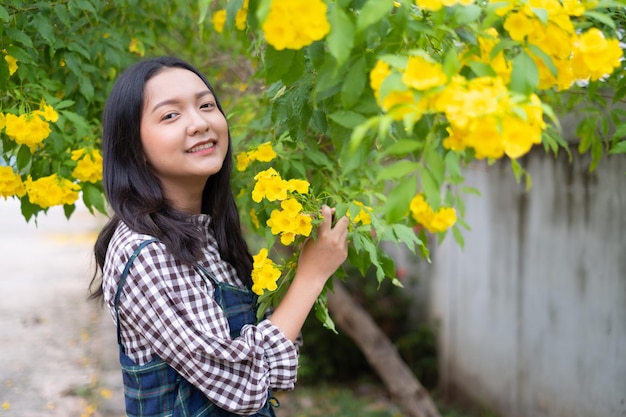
404	388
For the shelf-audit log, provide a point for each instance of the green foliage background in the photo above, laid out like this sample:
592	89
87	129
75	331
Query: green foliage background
315	105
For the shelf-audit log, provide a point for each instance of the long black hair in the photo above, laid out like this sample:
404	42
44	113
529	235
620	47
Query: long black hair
135	194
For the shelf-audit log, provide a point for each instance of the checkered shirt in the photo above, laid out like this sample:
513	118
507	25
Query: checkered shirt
167	310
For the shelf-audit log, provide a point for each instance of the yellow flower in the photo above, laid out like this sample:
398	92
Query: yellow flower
269	185
299	186
27	129
10	183
137	47
264	273
6	405
51	191
519	25
599	56
2	121
254	218
432	5
12	63
240	17
219	20
89	167
290	221
291	206
443	219
265	153
434	222
363	215
295	24
378	74
422	74
243	160
48	112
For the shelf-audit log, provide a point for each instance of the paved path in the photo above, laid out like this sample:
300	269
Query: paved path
57	350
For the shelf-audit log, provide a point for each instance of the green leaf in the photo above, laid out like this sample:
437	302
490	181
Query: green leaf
321	312
436	164
545	58
93	197
397	170
61	12
458	237
347	118
453	166
372	12
481	69
432	189
601	17
620	147
23	157
45	29
28	209
525	75
403	147
16	35
406	235
398	200
340	40
203	10
354	84
467	14
4	15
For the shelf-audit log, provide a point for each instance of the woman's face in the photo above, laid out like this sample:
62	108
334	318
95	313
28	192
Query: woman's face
183	133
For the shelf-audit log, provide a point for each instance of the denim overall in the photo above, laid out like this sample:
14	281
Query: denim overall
156	389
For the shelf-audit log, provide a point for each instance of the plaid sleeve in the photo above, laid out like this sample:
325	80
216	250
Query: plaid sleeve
169	307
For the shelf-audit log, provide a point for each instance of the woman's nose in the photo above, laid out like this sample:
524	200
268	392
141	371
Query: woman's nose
198	123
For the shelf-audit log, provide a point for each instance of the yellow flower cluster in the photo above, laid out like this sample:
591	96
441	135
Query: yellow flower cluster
295	24
219	18
483	116
421	74
271	186
89	165
263	153
363	215
10	183
434	5
433	221
576	56
31	128
290	221
264	273
481	112
51	191
487	41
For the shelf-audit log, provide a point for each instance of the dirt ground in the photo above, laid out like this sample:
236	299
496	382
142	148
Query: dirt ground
58	354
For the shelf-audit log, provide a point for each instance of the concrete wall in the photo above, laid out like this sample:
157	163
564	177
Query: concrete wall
532	312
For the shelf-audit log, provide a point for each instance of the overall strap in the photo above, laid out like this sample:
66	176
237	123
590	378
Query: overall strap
118	293
209	275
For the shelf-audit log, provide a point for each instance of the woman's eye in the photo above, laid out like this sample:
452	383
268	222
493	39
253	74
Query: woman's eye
169	116
209	105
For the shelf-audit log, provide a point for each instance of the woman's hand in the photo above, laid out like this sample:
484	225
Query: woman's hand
318	260
321	257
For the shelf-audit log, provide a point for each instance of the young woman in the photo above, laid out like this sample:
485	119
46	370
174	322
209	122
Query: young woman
175	267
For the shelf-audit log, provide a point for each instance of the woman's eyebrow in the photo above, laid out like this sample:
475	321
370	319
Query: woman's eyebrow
198	95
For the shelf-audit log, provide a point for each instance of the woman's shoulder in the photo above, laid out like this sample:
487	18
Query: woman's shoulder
125	241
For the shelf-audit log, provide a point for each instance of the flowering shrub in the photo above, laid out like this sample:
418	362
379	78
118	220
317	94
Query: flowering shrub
379	105
373	107
59	61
